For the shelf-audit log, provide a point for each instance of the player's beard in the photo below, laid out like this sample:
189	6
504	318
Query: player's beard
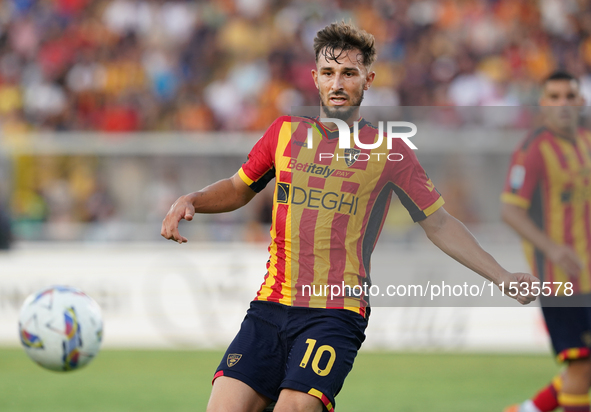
341	112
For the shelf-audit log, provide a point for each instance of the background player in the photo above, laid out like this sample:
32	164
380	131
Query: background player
547	201
292	348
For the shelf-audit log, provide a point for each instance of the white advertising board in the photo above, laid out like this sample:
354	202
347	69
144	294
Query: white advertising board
165	295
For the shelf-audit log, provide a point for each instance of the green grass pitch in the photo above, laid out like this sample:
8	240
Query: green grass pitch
172	381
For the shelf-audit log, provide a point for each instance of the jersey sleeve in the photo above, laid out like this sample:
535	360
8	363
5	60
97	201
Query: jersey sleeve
525	172
414	188
259	169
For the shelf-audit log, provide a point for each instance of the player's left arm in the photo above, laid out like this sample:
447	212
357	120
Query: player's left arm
452	237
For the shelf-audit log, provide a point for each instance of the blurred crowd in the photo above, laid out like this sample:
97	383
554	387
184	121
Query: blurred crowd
124	66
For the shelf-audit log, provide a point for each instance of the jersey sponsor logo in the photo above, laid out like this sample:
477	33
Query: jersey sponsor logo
566	196
321	171
517	176
233	359
578	195
316	199
302	144
343	173
282	192
429	185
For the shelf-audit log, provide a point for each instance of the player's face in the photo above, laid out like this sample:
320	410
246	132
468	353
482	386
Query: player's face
341	83
561	100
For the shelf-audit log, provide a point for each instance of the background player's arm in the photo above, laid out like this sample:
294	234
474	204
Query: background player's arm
223	196
453	238
561	255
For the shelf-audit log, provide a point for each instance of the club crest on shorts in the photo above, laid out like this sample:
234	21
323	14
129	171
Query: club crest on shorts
350	156
233	359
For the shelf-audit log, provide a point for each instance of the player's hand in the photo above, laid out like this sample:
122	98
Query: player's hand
181	209
566	258
523	292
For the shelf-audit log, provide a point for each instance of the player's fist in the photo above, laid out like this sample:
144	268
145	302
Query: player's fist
181	209
519	286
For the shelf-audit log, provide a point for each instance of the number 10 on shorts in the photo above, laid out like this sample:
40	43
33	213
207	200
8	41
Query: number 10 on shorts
316	360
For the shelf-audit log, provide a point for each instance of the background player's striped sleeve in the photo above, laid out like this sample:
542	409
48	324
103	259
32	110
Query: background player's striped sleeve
259	169
525	171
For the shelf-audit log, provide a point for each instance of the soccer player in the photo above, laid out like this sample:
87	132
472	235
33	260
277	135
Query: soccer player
296	347
547	201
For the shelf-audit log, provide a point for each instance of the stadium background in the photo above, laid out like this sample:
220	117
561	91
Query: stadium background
111	109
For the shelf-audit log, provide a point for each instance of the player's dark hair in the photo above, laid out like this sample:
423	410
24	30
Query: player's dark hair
560	75
338	38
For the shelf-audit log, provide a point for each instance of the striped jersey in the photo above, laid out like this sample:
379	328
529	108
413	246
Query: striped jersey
329	208
550	177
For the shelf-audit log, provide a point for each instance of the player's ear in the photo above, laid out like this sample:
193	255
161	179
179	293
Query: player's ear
369	80
315	77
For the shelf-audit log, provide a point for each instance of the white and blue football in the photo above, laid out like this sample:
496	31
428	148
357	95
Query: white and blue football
61	328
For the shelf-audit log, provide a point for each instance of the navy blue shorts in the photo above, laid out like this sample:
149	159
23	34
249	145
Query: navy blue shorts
569	329
310	350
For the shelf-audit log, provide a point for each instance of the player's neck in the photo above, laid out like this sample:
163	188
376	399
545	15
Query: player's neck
350	120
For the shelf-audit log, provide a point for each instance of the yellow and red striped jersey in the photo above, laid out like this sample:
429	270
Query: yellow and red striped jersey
329	208
550	176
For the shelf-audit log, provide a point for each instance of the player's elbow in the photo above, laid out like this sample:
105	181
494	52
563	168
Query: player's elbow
434	223
241	193
242	199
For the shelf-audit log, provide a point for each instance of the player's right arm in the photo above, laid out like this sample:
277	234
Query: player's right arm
223	196
525	174
228	194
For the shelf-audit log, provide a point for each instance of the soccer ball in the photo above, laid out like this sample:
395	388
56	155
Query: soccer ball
60	328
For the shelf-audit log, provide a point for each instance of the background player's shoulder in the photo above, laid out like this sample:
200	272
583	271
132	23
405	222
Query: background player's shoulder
533	138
